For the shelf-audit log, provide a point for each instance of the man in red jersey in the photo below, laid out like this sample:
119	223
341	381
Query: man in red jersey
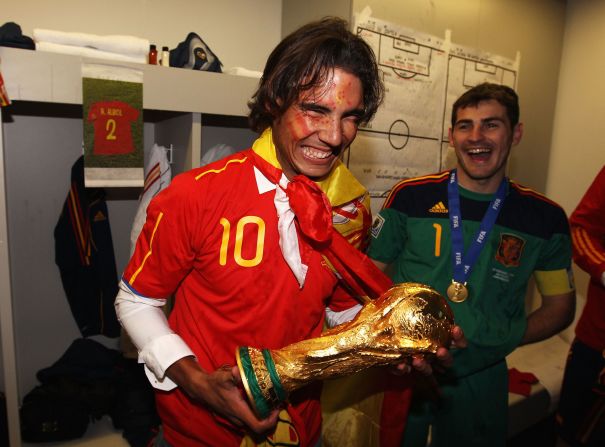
243	253
581	414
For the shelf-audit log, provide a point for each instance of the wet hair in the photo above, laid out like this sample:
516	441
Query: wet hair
505	95
304	60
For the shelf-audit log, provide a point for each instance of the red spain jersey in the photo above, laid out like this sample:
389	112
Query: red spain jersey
588	236
212	237
112	121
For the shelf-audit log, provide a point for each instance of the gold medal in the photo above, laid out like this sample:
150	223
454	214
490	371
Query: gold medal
457	292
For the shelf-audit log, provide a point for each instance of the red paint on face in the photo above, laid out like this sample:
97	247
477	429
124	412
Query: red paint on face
314	131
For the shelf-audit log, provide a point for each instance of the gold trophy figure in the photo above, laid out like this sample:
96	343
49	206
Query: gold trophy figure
408	319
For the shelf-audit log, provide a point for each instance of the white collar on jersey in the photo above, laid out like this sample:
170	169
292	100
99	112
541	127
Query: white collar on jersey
288	237
263	183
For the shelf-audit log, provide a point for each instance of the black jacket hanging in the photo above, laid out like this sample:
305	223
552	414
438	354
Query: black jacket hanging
85	257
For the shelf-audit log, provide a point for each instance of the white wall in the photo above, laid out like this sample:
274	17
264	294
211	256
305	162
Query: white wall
534	28
241	32
296	12
578	146
578	143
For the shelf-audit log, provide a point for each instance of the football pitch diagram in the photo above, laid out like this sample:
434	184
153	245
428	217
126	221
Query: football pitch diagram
423	75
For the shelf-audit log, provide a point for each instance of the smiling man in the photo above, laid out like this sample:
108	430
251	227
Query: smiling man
478	237
314	131
241	245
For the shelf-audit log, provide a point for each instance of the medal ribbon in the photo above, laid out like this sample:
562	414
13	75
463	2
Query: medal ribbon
463	264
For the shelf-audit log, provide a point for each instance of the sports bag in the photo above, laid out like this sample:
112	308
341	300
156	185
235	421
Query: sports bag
193	53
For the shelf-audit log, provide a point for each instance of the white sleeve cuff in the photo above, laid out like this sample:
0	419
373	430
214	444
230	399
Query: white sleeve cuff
159	354
336	318
164	384
158	345
603	278
162	352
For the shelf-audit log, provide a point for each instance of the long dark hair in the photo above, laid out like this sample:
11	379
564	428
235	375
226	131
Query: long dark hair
304	60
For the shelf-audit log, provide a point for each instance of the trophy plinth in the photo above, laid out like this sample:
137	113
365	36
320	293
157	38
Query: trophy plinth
407	319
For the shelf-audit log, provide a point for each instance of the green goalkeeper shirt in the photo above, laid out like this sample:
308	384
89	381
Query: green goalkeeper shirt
530	236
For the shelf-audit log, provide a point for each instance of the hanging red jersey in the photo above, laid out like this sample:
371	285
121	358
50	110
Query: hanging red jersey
112	122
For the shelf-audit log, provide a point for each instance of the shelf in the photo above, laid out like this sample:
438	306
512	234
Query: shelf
41	132
56	78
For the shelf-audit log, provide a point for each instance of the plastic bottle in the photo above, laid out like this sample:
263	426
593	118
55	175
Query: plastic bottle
165	57
153	55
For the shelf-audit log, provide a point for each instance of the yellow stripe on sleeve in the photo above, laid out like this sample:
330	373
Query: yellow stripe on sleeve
216	171
584	245
135	274
554	282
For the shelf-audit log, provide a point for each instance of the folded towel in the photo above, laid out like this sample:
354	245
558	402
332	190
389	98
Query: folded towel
88	52
241	71
111	72
128	45
520	382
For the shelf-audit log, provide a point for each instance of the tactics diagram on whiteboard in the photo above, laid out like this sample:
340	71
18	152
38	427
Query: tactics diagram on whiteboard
423	75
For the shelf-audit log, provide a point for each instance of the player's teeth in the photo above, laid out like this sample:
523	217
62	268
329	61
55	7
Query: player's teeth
315	154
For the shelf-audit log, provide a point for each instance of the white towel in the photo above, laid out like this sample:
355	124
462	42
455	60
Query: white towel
127	45
157	177
88	52
241	71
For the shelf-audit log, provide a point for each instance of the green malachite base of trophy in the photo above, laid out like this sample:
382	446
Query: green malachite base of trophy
261	381
408	319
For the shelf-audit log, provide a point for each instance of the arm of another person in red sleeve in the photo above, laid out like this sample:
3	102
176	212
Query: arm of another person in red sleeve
588	229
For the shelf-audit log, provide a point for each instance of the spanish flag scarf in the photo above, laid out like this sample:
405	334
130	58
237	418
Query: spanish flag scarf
305	208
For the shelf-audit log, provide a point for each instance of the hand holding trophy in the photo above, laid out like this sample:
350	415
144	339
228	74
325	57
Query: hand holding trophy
408	319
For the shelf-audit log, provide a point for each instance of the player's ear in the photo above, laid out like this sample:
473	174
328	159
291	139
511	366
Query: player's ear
274	108
517	133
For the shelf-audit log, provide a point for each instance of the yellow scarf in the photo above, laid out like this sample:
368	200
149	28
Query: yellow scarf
340	186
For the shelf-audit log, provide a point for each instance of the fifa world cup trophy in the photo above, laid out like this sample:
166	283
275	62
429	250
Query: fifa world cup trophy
408	319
